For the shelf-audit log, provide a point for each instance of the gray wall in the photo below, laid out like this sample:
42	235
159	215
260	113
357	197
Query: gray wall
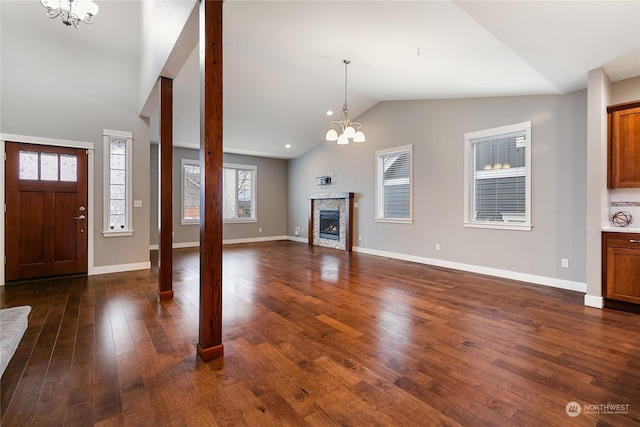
436	128
49	89
271	198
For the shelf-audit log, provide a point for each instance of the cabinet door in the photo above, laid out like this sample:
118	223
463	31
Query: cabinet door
625	148
623	274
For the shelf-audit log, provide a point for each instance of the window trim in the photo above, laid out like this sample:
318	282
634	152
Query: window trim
378	184
468	144
183	163
107	134
234	166
254	194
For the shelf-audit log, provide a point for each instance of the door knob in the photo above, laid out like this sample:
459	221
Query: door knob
79	217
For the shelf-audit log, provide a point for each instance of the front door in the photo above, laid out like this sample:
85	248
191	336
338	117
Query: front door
46	211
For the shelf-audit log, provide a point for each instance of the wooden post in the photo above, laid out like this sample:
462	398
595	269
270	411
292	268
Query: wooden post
210	334
165	172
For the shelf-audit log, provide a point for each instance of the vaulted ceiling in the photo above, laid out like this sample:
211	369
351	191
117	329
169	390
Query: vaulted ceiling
283	59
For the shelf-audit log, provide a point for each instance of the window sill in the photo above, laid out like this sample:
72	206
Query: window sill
395	220
120	233
499	226
189	222
238	221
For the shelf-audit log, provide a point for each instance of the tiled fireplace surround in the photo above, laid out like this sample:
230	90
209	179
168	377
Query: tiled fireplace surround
342	202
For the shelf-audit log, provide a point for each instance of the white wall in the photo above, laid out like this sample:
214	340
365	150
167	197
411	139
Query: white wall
162	24
55	85
437	128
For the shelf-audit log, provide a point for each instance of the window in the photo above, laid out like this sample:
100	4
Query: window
239	188
43	166
497	177
117	183
394	189
239	192
190	191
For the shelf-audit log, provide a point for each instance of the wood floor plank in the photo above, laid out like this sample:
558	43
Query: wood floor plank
314	336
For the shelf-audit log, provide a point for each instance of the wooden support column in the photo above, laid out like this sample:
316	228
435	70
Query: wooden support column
165	172
210	336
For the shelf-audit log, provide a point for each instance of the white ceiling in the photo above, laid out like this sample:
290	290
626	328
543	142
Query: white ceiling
283	59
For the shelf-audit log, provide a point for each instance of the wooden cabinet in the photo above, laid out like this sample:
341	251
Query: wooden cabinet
621	266
624	145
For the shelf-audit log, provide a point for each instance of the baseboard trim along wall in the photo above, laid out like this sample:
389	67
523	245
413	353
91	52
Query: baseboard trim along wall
589	300
298	239
253	240
506	274
119	268
177	245
224	242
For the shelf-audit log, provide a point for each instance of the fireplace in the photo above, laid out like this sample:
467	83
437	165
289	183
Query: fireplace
330	225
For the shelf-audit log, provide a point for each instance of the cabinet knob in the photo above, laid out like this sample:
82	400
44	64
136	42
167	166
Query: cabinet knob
634	241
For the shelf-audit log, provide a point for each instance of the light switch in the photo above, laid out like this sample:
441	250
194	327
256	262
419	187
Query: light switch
137	203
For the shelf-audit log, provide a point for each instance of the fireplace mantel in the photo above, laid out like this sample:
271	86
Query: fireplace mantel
348	205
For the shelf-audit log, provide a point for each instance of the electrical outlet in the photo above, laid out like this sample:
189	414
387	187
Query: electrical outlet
355	205
437	246
260	230
360	237
137	203
565	263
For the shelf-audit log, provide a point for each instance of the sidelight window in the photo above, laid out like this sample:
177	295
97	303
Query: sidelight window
117	183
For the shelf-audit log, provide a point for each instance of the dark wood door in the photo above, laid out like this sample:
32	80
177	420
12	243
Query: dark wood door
46	212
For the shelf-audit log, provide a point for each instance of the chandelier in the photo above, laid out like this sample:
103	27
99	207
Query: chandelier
72	12
348	129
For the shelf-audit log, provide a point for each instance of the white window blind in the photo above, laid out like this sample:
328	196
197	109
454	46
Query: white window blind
394	184
498	182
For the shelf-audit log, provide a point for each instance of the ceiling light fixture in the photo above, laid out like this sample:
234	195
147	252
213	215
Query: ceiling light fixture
348	129
71	12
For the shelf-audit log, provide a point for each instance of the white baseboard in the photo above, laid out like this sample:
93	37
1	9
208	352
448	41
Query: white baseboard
119	268
593	301
298	239
506	274
253	240
177	245
225	242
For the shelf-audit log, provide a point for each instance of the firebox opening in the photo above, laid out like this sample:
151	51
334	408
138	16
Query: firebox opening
330	225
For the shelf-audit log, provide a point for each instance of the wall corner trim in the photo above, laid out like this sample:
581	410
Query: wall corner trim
594	301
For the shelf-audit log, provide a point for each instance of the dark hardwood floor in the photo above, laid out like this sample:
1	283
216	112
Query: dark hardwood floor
318	337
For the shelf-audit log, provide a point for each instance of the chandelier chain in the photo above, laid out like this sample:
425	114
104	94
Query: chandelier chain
346	64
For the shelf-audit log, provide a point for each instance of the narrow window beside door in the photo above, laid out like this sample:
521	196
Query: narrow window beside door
117	183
